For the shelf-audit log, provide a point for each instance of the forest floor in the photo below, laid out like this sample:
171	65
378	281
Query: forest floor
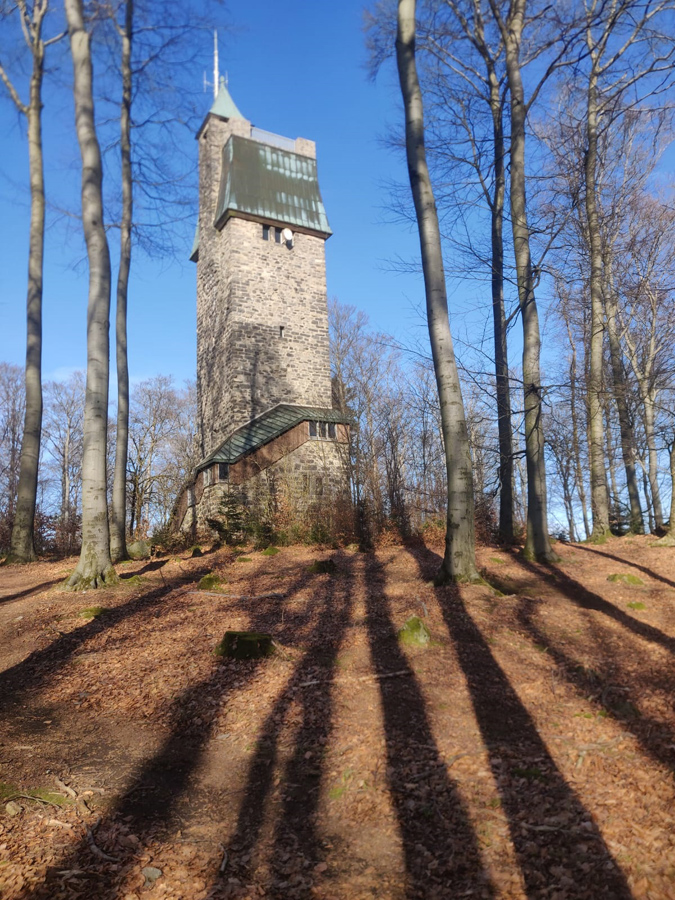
526	752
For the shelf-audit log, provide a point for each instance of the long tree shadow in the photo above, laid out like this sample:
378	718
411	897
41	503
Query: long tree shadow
650	572
621	702
156	792
297	844
581	596
36	589
440	847
553	834
25	676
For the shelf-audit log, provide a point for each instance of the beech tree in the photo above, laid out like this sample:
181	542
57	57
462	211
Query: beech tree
95	566
32	17
459	560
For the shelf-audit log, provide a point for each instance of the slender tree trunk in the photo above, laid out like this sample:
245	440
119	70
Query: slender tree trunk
576	450
459	560
22	544
118	547
619	383
499	318
599	502
668	540
95	567
537	543
652	458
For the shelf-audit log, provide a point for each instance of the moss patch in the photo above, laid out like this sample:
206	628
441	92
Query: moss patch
209	581
414	632
323	567
636	604
624	578
245	645
271	551
92	612
133	579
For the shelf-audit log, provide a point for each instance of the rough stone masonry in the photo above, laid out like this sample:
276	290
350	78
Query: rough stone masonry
266	423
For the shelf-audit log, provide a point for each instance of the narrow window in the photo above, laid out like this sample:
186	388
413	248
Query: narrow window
190	497
331	430
312	430
223	471
208	476
318	486
322	430
266	232
281	331
277	235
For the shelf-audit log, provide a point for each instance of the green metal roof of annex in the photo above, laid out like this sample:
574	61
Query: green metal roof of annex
266	427
270	183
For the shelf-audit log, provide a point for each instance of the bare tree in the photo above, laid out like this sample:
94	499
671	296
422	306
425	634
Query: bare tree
12	412
459	560
118	548
32	17
95	566
63	432
621	39
511	26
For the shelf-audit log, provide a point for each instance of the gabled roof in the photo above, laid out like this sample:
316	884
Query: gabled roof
272	184
266	427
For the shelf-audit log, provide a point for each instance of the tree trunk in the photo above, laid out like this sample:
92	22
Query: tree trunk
599	503
459	560
499	318
118	547
619	384
652	458
537	543
579	472
668	540
22	543
95	567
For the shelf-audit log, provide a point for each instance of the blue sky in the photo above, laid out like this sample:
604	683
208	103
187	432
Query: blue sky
295	69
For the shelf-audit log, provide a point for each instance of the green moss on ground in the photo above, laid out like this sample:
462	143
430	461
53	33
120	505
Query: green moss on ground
271	551
323	567
92	612
624	578
210	581
414	632
245	645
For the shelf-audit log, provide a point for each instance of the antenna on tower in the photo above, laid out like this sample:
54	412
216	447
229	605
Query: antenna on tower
216	77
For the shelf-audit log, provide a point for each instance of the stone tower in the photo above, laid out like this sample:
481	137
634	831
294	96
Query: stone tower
265	416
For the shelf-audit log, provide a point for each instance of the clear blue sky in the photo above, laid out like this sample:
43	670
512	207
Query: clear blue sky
295	69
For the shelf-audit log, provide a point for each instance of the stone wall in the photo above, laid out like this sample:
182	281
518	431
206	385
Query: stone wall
262	320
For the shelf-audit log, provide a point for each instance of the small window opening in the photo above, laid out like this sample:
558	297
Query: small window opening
223	471
312	430
190	496
281	331
277	235
331	430
266	232
207	477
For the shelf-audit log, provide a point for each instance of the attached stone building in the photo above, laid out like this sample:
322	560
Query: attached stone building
266	421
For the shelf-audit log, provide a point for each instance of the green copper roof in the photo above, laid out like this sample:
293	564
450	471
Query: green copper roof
268	426
270	183
224	106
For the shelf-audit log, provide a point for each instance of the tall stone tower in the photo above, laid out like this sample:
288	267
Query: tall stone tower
265	416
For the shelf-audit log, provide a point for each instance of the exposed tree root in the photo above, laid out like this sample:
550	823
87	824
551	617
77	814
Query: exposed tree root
83	581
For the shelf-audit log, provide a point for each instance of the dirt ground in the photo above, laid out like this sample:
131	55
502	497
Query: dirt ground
526	752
